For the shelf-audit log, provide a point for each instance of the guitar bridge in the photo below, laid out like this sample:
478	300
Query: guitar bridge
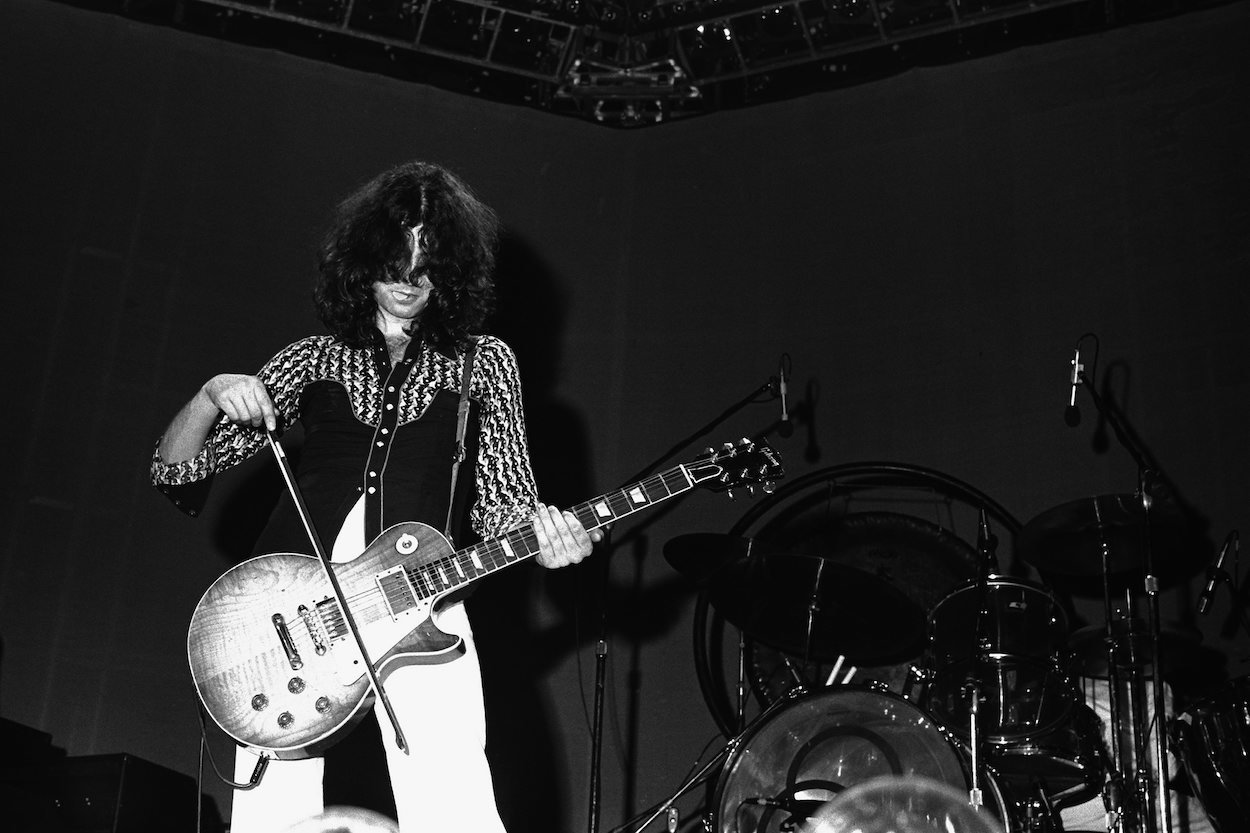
315	631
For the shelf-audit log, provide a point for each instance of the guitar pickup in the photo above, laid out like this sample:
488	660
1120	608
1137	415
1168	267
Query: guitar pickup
397	591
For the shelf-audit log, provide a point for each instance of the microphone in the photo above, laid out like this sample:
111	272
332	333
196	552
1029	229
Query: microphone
1072	414
800	809
786	428
1216	573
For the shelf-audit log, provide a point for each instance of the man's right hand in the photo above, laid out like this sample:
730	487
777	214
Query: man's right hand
243	399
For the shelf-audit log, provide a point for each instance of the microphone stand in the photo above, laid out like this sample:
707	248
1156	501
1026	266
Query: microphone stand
601	651
1147	480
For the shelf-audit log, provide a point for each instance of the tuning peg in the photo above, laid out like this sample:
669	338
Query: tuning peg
744	442
728	446
731	494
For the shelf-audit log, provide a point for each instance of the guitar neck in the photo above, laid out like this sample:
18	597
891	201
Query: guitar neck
482	559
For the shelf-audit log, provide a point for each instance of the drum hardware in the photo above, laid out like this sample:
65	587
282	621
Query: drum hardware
1036	812
973	693
986	544
1212	740
1065	540
1113	800
915	686
1124	539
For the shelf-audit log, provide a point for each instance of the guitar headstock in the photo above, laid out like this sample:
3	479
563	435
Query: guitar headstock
746	463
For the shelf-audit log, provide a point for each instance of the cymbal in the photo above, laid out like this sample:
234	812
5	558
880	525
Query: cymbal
701	555
1070	539
800	604
1180	650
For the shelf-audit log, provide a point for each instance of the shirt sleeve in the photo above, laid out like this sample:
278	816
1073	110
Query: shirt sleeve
187	483
506	493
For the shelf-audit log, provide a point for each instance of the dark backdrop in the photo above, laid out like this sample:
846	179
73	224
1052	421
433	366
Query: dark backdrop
926	248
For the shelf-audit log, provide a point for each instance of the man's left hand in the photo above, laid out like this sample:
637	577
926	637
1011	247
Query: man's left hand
562	540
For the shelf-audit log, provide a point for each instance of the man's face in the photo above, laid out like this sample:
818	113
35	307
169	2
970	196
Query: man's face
404	300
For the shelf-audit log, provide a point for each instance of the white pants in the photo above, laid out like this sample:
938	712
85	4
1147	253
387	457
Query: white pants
443	784
1186	813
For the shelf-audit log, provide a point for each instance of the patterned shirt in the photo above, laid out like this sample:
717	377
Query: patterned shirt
384	432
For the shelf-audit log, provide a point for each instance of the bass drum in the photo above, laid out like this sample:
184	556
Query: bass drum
806	752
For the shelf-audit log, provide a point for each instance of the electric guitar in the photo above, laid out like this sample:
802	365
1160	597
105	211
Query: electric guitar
273	660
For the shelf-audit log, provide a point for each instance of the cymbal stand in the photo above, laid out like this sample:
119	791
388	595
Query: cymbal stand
986	544
1113	786
1147	480
1151	584
973	692
813	610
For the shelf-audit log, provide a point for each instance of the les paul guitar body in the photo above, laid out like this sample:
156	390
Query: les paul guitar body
271	655
272	659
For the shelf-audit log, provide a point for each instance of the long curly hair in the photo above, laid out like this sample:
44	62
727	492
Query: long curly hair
369	242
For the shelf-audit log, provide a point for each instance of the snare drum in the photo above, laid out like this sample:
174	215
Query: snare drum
796	759
1024	690
1067	764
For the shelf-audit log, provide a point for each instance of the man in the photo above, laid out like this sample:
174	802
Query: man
405	282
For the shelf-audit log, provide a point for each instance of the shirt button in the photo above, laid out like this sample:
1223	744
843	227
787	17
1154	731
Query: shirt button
380	443
386	430
391	388
389	406
373	474
372	490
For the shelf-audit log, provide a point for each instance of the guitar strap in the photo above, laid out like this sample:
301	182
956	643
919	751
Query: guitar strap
462	424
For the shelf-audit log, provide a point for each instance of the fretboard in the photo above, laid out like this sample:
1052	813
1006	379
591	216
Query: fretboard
482	559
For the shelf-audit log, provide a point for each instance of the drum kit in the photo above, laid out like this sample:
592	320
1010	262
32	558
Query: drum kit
992	698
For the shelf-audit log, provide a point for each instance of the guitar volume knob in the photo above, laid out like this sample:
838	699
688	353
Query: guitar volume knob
285	720
295	685
259	702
